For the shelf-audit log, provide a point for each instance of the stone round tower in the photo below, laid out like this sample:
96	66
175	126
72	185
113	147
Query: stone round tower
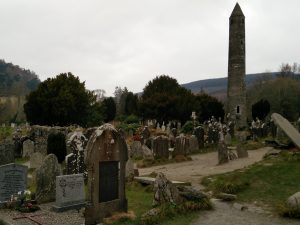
236	89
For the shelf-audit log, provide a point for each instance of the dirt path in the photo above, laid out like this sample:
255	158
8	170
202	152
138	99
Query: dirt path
203	165
227	214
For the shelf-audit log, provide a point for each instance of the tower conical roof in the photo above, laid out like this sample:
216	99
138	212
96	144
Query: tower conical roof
237	11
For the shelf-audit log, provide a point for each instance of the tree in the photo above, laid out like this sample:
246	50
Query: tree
62	101
109	107
207	106
260	109
164	99
131	104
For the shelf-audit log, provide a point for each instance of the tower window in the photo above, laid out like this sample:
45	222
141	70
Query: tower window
238	111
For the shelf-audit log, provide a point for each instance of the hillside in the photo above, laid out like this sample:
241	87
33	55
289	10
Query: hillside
16	81
218	87
15	84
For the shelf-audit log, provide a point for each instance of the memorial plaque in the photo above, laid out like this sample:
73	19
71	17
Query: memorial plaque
69	192
108	181
13	178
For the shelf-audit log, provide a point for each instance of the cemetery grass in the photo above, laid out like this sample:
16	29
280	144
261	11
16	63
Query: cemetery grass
5	132
267	183
140	201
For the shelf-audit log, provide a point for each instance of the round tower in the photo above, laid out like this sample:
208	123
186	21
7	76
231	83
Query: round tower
236	89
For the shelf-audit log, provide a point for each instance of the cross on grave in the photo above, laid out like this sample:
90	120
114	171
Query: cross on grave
30	217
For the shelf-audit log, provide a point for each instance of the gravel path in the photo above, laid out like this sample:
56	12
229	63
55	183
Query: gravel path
203	165
227	214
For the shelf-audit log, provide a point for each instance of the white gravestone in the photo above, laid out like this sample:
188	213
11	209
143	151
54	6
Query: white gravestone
69	192
13	178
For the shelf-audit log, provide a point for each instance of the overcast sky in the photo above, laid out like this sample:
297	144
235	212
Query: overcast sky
129	42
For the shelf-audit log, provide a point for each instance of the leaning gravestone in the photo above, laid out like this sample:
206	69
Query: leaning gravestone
7	152
28	148
287	128
36	160
46	179
69	192
13	178
106	159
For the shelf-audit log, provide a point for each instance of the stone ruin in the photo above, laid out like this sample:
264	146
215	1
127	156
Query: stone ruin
105	160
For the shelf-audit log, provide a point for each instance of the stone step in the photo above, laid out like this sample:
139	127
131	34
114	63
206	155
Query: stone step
150	181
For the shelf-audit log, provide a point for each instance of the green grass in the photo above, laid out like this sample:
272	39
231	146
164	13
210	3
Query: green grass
140	201
21	160
269	182
1	222
5	132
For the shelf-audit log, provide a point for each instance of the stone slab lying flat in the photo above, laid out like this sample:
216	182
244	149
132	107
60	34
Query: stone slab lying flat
287	128
150	181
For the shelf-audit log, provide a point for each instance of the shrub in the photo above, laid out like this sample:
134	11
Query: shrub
188	127
56	144
132	119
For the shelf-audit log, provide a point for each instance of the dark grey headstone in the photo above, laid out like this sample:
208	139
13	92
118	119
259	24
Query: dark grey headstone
13	178
7	152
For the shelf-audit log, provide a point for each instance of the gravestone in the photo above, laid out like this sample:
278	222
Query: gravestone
222	153
129	170
241	152
28	148
106	159
136	150
71	163
161	147
7	152
287	128
145	134
193	144
181	146
199	133
69	192
36	160
227	139
46	179
147	153
13	178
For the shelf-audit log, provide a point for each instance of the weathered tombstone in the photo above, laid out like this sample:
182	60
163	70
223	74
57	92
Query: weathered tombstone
181	146
7	154
165	191
28	148
136	149
193	144
227	139
13	178
69	192
222	153
199	133
129	170
36	160
147	153
161	147
145	134
71	164
46	179
106	159
241	152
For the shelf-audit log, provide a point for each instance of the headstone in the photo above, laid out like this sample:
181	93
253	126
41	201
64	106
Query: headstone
7	154
106	160
69	192
36	160
145	134
287	128
13	178
199	133
241	152
222	153
174	132
227	139
165	191
160	147
193	144
136	150
147	153
71	164
163	127
181	146
28	148
46	179
129	170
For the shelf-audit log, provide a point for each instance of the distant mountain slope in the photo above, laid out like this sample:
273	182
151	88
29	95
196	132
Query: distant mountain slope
15	84
16	81
218	87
